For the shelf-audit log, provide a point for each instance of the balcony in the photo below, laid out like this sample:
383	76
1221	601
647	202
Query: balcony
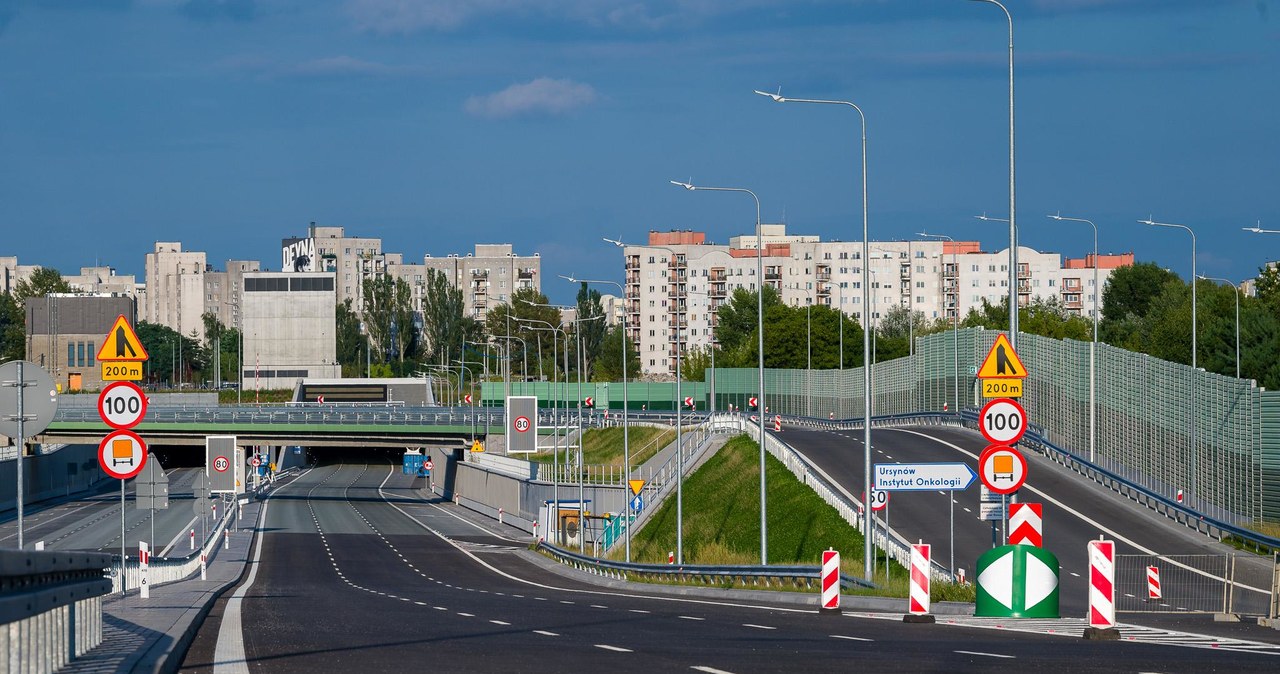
823	274
633	262
717	275
673	323
1024	287
904	272
480	273
526	273
1024	271
773	276
718	290
950	271
824	289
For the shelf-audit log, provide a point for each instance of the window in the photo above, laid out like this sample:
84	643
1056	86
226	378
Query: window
919	300
919	284
91	353
71	354
919	269
1052	282
974	268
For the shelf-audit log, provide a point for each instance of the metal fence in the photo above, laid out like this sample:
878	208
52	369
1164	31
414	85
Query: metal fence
1174	583
1145	409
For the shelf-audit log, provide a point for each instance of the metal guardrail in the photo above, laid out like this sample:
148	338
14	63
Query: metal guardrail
50	607
770	576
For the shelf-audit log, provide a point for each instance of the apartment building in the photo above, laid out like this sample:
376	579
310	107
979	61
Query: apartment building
224	291
352	259
677	282
488	276
175	292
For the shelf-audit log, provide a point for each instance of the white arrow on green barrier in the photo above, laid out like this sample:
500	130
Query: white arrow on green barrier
923	476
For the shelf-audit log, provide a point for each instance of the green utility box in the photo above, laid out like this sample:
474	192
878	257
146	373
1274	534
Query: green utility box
1017	581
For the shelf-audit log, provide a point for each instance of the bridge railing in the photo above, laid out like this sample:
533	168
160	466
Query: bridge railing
50	607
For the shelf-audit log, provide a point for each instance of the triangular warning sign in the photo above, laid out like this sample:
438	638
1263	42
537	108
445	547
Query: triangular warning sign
636	486
122	343
1002	361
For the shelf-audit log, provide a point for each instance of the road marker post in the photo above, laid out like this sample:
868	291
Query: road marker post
193	539
144	561
918	599
1153	583
204	566
830	582
1102	591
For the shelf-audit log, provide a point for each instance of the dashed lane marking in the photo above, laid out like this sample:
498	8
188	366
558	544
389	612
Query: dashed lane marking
615	649
987	655
849	638
708	670
546	633
758	627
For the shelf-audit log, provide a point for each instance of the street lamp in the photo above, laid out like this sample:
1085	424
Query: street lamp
955	316
1237	294
1259	230
555	413
1191	417
1093	347
462	365
626	430
866	339
679	406
1013	227
764	524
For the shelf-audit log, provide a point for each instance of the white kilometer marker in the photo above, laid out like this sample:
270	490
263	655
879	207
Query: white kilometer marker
689	617
989	655
708	670
759	627
615	649
499	622
841	636
546	633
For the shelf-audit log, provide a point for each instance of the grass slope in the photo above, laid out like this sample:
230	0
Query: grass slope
603	446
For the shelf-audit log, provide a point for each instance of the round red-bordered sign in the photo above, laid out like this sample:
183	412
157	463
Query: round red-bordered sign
122	404
122	454
1002	421
1003	469
521	424
879	499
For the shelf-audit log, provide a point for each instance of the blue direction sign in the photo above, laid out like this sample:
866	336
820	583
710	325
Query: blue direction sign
637	503
923	476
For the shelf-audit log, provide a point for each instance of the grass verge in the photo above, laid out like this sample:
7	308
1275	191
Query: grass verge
603	446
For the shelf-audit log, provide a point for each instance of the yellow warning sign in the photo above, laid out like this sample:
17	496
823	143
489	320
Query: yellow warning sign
1002	362
122	371
636	486
122	343
477	447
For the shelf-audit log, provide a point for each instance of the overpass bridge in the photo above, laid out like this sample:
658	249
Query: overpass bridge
310	424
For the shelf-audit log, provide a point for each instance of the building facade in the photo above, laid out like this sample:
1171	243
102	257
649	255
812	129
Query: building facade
64	332
676	284
289	329
351	259
488	276
224	291
175	292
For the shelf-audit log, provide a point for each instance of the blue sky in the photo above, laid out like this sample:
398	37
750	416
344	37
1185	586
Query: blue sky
436	124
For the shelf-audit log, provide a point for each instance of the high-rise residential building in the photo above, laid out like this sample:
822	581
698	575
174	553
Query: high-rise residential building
351	259
488	276
175	293
223	291
103	280
678	282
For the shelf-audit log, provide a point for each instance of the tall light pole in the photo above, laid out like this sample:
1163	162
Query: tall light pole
1259	230
626	430
1093	347
955	317
866	338
555	413
1013	218
1235	288
1192	416
764	524
679	403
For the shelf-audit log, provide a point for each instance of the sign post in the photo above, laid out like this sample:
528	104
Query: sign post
122	455
522	435
29	391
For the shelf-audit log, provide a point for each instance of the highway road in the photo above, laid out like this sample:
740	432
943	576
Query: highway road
1075	511
353	571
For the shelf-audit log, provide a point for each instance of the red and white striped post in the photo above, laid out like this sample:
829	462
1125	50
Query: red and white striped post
1179	496
918	599
777	423
1102	591
204	566
193	539
830	582
144	561
1153	583
226	539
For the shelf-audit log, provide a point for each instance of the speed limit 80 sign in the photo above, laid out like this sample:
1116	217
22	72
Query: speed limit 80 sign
1002	421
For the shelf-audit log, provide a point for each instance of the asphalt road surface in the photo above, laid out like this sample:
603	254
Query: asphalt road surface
354	572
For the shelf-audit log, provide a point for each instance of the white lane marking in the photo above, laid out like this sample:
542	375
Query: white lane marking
565	601
1075	574
689	617
499	622
1088	520
988	655
466	615
439	608
708	670
546	633
229	657
637	610
598	606
759	627
842	636
967	510
615	649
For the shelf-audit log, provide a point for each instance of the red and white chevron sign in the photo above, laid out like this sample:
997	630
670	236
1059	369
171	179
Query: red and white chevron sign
777	424
1102	589
1026	524
831	581
918	603
1153	583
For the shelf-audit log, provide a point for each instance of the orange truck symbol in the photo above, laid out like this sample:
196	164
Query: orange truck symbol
1002	467
121	452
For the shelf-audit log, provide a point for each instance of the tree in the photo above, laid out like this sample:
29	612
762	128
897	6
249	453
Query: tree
442	318
387	301
525	307
41	282
736	321
608	366
12	329
1129	292
404	324
347	339
1268	284
1048	317
591	324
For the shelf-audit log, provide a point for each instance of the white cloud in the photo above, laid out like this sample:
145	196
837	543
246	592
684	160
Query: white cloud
543	96
328	66
407	16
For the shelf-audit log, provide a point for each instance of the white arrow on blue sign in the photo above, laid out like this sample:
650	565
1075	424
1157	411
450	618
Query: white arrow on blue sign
923	476
637	503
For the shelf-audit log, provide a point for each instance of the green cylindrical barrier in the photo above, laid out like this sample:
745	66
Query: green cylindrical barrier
1017	581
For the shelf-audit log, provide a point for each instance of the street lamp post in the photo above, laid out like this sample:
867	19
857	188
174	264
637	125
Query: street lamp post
1235	288
555	413
1192	416
1093	347
626	430
764	523
866	339
1260	230
1013	226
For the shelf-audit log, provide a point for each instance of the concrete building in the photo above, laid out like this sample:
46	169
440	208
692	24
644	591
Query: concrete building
678	282
175	292
488	276
64	332
351	259
223	291
103	280
289	328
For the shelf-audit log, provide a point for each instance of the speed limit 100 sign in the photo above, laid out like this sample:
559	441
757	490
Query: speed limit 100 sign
122	404
1002	421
